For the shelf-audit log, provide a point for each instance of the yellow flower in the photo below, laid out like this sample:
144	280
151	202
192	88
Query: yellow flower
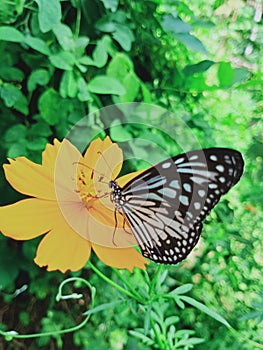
70	203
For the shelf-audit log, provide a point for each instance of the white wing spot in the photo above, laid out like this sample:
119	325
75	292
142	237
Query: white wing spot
213	157
166	165
220	168
184	200
175	184
178	161
222	179
201	193
212	186
193	157
184	243
168	192
168	241
197	205
187	187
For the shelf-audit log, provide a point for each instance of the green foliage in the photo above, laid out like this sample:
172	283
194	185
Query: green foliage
62	60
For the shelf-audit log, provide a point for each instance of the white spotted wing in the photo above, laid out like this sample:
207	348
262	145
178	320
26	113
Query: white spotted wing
166	204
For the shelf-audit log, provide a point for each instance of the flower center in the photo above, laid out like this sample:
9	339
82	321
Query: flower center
89	187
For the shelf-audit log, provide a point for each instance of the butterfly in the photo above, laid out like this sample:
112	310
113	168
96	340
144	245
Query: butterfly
166	204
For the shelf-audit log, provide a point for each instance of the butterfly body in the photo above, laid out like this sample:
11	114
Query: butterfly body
166	204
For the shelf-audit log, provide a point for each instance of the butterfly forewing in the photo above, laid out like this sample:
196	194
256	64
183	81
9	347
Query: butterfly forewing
165	205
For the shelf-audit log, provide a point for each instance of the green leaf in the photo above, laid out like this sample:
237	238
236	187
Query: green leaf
9	268
105	24
124	36
181	290
147	97
49	105
38	144
68	85
100	55
10	94
119	66
63	60
83	94
21	105
18	149
199	67
225	74
103	307
103	84
11	73
11	34
37	44
240	74
64	36
49	14
40	129
175	24
119	133
15	133
205	309
191	42
132	84
111	4
37	77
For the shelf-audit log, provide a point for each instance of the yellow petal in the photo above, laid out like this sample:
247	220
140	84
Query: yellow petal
65	172
121	258
28	218
104	157
30	178
49	155
62	249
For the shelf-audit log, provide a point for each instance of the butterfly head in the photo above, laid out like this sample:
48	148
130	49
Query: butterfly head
115	193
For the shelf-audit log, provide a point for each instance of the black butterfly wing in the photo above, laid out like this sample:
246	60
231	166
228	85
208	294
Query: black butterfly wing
165	205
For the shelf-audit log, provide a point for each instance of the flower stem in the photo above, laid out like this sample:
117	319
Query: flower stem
129	286
137	297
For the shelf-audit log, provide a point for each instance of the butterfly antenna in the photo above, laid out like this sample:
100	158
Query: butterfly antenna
105	160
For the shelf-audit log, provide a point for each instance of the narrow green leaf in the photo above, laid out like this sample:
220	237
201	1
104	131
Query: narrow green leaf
205	309
191	42
102	307
199	67
175	24
181	290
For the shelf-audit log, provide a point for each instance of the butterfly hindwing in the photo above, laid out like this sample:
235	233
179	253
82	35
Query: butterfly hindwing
165	205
